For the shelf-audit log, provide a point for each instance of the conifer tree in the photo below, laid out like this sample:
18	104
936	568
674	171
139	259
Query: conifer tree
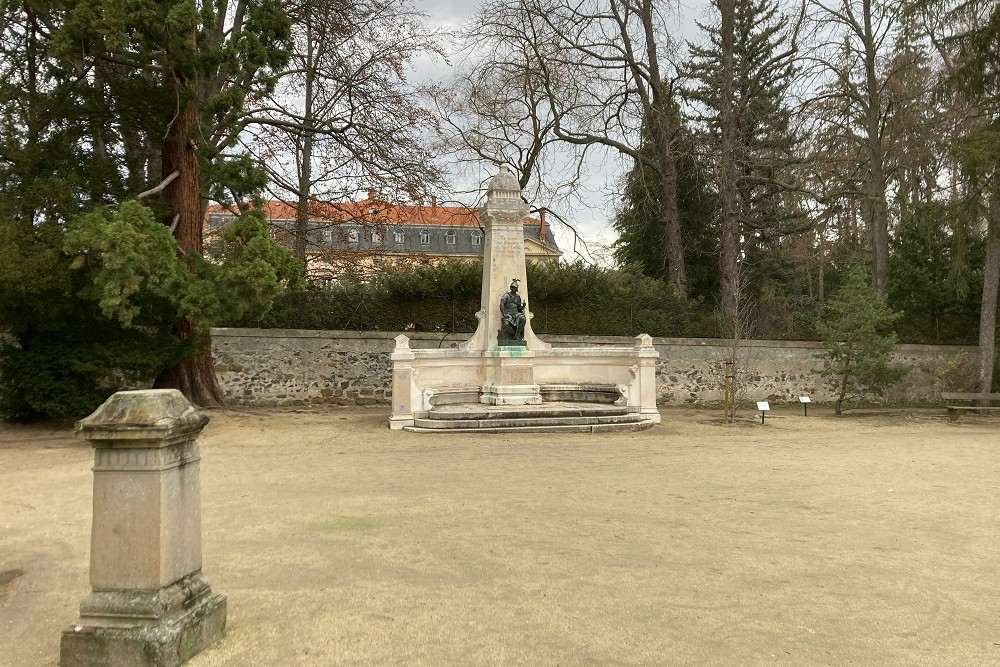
641	240
856	328
748	134
111	102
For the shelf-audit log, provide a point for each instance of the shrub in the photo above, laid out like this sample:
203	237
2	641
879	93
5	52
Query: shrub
565	299
957	374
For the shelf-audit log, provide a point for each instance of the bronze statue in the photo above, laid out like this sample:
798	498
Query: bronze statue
513	319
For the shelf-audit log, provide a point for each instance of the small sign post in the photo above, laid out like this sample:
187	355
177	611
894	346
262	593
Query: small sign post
763	407
805	401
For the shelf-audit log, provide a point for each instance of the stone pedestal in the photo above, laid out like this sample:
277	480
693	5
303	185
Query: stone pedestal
510	378
150	604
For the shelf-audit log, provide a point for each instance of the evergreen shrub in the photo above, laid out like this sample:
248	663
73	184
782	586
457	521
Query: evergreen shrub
59	357
572	299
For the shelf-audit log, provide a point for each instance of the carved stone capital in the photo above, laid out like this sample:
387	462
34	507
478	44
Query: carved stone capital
147	418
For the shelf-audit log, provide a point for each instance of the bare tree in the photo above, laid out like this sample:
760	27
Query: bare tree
604	81
345	119
853	40
495	110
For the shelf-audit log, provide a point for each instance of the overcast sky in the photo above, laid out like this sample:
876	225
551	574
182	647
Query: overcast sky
592	218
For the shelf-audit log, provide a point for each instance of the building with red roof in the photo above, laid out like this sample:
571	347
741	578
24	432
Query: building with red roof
359	238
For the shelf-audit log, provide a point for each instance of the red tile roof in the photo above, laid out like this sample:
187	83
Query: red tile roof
399	214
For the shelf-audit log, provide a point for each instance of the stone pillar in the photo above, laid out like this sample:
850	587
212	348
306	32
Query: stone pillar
503	261
644	374
404	389
150	604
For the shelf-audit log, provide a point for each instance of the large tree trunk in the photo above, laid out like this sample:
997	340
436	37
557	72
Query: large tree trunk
988	311
180	154
729	228
876	209
877	219
673	241
658	110
821	270
195	375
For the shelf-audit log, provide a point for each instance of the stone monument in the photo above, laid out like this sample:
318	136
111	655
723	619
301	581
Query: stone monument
150	604
503	376
503	262
504	306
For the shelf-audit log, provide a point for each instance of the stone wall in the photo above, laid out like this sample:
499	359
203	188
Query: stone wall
298	367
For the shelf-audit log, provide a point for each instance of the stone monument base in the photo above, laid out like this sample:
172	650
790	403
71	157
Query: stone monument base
510	377
517	394
127	628
426	379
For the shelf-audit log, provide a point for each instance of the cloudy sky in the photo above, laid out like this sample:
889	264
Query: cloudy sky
592	216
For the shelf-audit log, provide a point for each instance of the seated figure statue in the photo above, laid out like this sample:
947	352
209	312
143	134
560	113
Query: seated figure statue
512	314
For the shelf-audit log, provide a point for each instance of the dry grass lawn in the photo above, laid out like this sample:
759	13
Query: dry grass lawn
870	539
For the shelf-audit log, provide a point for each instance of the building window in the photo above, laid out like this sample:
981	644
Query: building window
425	237
477	238
449	238
398	237
352	236
376	237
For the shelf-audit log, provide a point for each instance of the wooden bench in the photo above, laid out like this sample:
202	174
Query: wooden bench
967	401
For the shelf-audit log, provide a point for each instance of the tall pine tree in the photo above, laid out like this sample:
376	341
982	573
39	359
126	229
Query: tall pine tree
641	238
749	134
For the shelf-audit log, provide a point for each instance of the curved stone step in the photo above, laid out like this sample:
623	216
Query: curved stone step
565	428
534	420
478	412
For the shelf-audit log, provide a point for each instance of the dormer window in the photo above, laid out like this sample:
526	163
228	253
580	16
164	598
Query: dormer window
449	238
398	237
352	236
373	211
425	237
477	238
376	237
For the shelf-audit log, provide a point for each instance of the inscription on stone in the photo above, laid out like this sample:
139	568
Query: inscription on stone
518	376
508	248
